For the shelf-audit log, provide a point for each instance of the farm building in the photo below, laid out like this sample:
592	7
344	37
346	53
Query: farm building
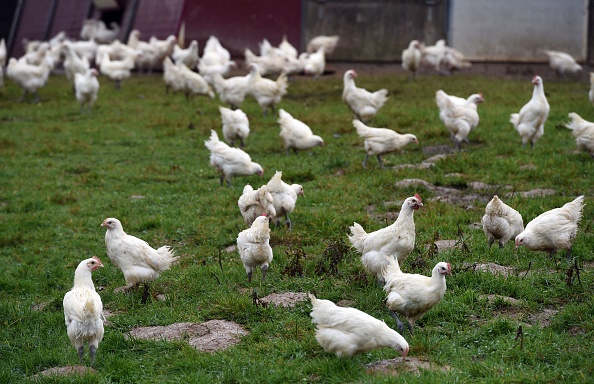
370	30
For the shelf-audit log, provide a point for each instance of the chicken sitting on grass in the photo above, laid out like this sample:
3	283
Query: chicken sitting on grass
396	241
379	141
254	248
412	295
347	331
501	222
83	310
553	230
138	261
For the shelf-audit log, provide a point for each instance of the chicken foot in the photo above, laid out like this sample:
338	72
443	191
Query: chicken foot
400	324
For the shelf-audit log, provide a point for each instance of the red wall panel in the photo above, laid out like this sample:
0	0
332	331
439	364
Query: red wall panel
158	18
69	17
240	24
34	18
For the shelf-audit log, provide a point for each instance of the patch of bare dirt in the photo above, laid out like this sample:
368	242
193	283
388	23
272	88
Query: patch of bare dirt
393	367
437	149
286	299
505	299
543	318
345	303
534	193
213	335
39	306
64	371
495	269
444	245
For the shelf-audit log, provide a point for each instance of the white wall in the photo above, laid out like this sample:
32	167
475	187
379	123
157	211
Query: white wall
518	30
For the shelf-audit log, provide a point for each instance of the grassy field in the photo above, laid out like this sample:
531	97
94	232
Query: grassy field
140	157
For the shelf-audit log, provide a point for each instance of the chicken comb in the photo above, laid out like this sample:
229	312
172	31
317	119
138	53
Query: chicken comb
418	197
96	258
264	214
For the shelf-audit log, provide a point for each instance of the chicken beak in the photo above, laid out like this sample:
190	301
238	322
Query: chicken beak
405	352
104	224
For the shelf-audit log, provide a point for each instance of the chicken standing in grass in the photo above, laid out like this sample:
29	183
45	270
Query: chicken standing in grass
379	141
460	116
315	63
83	310
362	103
296	134
411	59
412	295
254	248
347	331
86	88
230	161
233	90
563	63
236	126
583	131
396	240
266	92
138	261
532	117
501	222
253	203
284	198
553	230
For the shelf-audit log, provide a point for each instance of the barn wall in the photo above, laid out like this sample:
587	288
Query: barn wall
32	25
241	24
372	30
69	17
518	30
158	18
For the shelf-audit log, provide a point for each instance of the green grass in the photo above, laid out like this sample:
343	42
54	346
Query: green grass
62	173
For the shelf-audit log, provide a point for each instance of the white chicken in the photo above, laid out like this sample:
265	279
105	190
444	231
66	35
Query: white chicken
230	161
194	83
86	49
117	70
253	203
3	53
363	104
188	56
236	125
411	58
315	63
267	93
562	63
583	131
232	90
254	247
380	141
172	77
138	261
501	222
284	198
29	77
412	295
328	42
86	88
553	230
460	116
267	65
591	91
395	241
288	49
215	59
296	134
532	117
443	59
347	331
83	310
73	63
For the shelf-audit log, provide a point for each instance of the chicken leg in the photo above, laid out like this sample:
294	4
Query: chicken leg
264	269
400	324
92	351
81	351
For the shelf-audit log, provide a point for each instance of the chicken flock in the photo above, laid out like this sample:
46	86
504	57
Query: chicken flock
340	330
